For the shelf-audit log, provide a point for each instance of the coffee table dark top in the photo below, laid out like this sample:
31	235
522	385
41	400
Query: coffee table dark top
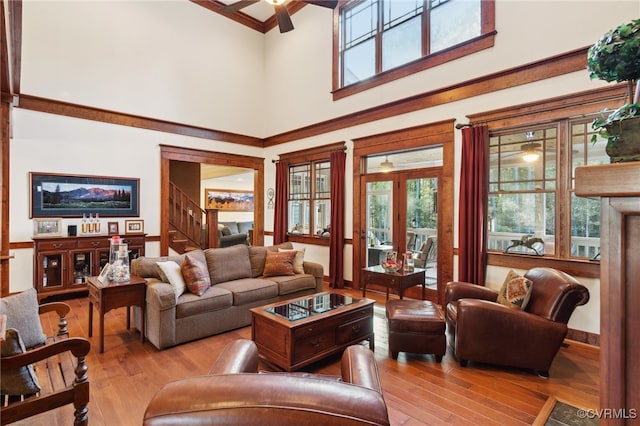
313	305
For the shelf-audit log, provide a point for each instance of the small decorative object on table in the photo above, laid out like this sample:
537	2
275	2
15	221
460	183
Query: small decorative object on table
391	264
119	260
408	262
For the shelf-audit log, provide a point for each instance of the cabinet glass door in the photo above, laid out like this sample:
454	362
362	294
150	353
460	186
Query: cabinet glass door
81	266
53	268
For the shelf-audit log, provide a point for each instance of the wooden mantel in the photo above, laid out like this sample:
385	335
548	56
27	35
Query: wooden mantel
618	186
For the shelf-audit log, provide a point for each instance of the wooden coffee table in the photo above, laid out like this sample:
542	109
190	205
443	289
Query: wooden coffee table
295	333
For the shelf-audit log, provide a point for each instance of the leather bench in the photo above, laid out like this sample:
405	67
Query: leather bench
415	326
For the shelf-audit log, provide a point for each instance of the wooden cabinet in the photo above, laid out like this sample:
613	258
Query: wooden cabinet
618	186
62	264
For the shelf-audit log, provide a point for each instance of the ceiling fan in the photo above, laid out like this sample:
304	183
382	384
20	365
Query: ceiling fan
282	14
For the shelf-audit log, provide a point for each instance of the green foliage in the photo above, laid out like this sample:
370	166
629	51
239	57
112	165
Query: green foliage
600	123
616	55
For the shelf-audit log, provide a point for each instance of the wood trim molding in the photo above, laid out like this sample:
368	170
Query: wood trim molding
35	103
4	197
554	66
246	20
11	27
535	71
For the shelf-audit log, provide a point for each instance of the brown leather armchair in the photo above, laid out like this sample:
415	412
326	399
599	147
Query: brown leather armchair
233	394
480	329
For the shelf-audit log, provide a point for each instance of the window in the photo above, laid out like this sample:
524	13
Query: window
531	181
305	198
378	36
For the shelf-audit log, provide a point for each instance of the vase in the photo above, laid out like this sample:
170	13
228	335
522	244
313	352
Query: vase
624	140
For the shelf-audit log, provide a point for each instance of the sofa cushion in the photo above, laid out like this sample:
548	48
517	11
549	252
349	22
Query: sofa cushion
245	227
214	299
22	313
233	227
196	275
171	273
22	381
293	283
279	263
228	263
249	290
515	291
257	257
225	231
298	261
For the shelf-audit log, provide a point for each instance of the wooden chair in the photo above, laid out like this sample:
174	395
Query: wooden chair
61	371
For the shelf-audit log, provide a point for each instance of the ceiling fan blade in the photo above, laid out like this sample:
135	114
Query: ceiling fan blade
234	7
284	20
331	4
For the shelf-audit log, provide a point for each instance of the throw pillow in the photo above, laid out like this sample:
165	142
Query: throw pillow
22	381
279	263
226	231
298	261
515	291
22	314
170	272
196	275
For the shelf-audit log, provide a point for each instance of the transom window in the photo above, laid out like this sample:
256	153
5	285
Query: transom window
377	36
531	190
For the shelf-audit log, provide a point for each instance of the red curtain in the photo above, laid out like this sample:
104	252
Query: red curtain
473	205
336	242
282	191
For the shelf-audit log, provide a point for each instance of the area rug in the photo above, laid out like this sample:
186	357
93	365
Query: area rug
558	412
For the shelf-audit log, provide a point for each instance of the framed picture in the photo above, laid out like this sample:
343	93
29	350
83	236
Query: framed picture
105	271
51	227
54	195
134	226
228	200
112	227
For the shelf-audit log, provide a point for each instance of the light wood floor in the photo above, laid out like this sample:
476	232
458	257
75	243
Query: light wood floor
417	390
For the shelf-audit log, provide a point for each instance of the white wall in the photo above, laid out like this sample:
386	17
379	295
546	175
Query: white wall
177	61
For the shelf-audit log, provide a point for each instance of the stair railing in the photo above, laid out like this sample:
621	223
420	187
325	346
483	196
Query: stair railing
187	217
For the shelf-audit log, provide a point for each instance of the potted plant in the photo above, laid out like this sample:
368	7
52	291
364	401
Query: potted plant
616	57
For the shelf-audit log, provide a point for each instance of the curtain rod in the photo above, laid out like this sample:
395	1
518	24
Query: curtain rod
344	148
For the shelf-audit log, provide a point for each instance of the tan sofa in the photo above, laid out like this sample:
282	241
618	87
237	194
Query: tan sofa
233	394
237	285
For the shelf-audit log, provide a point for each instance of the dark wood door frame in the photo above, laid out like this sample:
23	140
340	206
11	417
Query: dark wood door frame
169	153
440	133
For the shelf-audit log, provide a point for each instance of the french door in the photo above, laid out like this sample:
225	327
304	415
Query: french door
400	214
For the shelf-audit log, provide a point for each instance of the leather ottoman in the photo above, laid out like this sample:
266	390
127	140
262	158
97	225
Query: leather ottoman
415	326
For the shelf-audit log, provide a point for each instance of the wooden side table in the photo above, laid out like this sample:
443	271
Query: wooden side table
110	295
399	281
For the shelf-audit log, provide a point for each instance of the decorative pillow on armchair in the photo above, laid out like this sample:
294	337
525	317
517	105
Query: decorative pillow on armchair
22	311
22	381
515	291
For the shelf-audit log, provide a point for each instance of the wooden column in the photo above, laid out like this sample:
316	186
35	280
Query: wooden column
618	186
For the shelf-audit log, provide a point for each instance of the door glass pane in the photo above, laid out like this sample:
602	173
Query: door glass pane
379	221
422	225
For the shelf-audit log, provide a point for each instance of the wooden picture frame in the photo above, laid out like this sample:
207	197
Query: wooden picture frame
51	227
57	195
229	200
134	226
113	228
